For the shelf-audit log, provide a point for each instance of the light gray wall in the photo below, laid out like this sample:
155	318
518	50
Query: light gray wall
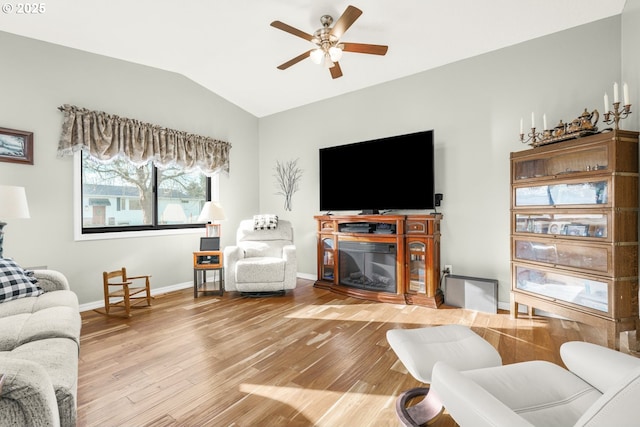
631	59
474	107
37	78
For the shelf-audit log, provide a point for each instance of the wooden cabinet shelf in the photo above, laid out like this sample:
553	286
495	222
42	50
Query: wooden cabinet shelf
574	230
386	258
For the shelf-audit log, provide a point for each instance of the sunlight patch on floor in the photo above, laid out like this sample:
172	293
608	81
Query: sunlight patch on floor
344	312
319	338
202	302
325	407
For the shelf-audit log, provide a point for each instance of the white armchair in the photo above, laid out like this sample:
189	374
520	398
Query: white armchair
263	261
600	388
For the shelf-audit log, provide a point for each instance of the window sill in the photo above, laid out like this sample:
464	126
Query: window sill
136	234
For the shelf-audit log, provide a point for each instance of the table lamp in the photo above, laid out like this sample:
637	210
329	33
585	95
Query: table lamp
13	204
174	214
212	211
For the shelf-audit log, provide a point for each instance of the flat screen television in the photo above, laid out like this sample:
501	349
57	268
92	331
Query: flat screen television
393	173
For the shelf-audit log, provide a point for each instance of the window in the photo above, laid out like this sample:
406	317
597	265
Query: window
119	196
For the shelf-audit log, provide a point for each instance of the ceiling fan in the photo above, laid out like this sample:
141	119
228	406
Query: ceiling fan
328	47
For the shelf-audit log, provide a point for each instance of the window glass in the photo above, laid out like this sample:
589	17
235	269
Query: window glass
121	196
181	196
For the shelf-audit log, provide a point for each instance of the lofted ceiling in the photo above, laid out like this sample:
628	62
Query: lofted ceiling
228	46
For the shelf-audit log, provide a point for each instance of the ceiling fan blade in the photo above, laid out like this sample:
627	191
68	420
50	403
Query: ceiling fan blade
345	21
373	49
336	71
295	60
291	30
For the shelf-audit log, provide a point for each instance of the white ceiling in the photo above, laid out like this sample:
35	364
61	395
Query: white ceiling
229	47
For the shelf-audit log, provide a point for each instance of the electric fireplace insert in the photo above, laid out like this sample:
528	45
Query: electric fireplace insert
368	265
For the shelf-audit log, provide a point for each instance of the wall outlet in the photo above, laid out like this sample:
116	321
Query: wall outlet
448	269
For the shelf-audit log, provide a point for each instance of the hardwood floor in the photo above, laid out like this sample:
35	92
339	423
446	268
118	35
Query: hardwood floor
310	358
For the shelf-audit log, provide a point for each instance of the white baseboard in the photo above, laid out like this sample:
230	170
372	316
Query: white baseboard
100	304
307	276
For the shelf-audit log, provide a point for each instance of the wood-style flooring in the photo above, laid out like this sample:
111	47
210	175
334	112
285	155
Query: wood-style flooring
310	358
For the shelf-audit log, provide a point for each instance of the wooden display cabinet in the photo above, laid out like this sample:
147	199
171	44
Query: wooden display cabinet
422	236
386	258
574	230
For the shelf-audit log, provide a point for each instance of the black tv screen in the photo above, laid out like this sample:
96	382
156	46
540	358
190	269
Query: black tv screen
383	174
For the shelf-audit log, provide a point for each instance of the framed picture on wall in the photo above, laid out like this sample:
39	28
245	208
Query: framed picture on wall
16	146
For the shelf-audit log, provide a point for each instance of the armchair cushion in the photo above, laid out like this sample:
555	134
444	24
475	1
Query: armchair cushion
263	249
46	300
260	269
470	404
52	322
539	391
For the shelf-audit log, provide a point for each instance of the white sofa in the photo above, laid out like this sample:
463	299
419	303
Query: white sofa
263	261
600	388
39	345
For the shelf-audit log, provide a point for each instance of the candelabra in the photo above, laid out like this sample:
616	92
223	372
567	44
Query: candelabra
534	138
617	114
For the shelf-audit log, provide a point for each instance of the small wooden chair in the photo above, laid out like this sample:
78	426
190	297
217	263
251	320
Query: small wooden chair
124	295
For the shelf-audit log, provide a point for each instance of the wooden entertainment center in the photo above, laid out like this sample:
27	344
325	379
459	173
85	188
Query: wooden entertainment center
385	258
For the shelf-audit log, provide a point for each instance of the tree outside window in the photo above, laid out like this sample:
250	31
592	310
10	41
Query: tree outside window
121	196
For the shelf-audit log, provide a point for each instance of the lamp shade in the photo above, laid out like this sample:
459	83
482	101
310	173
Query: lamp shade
211	211
173	212
13	202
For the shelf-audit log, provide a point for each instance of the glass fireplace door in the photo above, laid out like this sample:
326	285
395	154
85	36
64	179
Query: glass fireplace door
368	265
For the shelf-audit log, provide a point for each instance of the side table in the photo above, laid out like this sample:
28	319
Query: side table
204	261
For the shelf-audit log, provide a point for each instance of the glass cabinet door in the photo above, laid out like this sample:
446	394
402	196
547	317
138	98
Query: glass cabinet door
417	263
582	291
564	194
574	161
562	253
328	257
563	224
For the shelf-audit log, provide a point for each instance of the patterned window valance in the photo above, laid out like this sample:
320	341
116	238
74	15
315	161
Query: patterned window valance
107	136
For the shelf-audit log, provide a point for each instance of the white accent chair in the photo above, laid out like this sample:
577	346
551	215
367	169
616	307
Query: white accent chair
600	388
263	262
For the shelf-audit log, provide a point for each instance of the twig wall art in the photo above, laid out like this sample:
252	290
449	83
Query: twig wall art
288	176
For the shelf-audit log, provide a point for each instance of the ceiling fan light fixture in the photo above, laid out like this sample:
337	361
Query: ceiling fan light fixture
327	49
317	55
328	63
335	53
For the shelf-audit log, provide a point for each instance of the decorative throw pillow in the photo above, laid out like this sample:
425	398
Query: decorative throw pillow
265	222
15	282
